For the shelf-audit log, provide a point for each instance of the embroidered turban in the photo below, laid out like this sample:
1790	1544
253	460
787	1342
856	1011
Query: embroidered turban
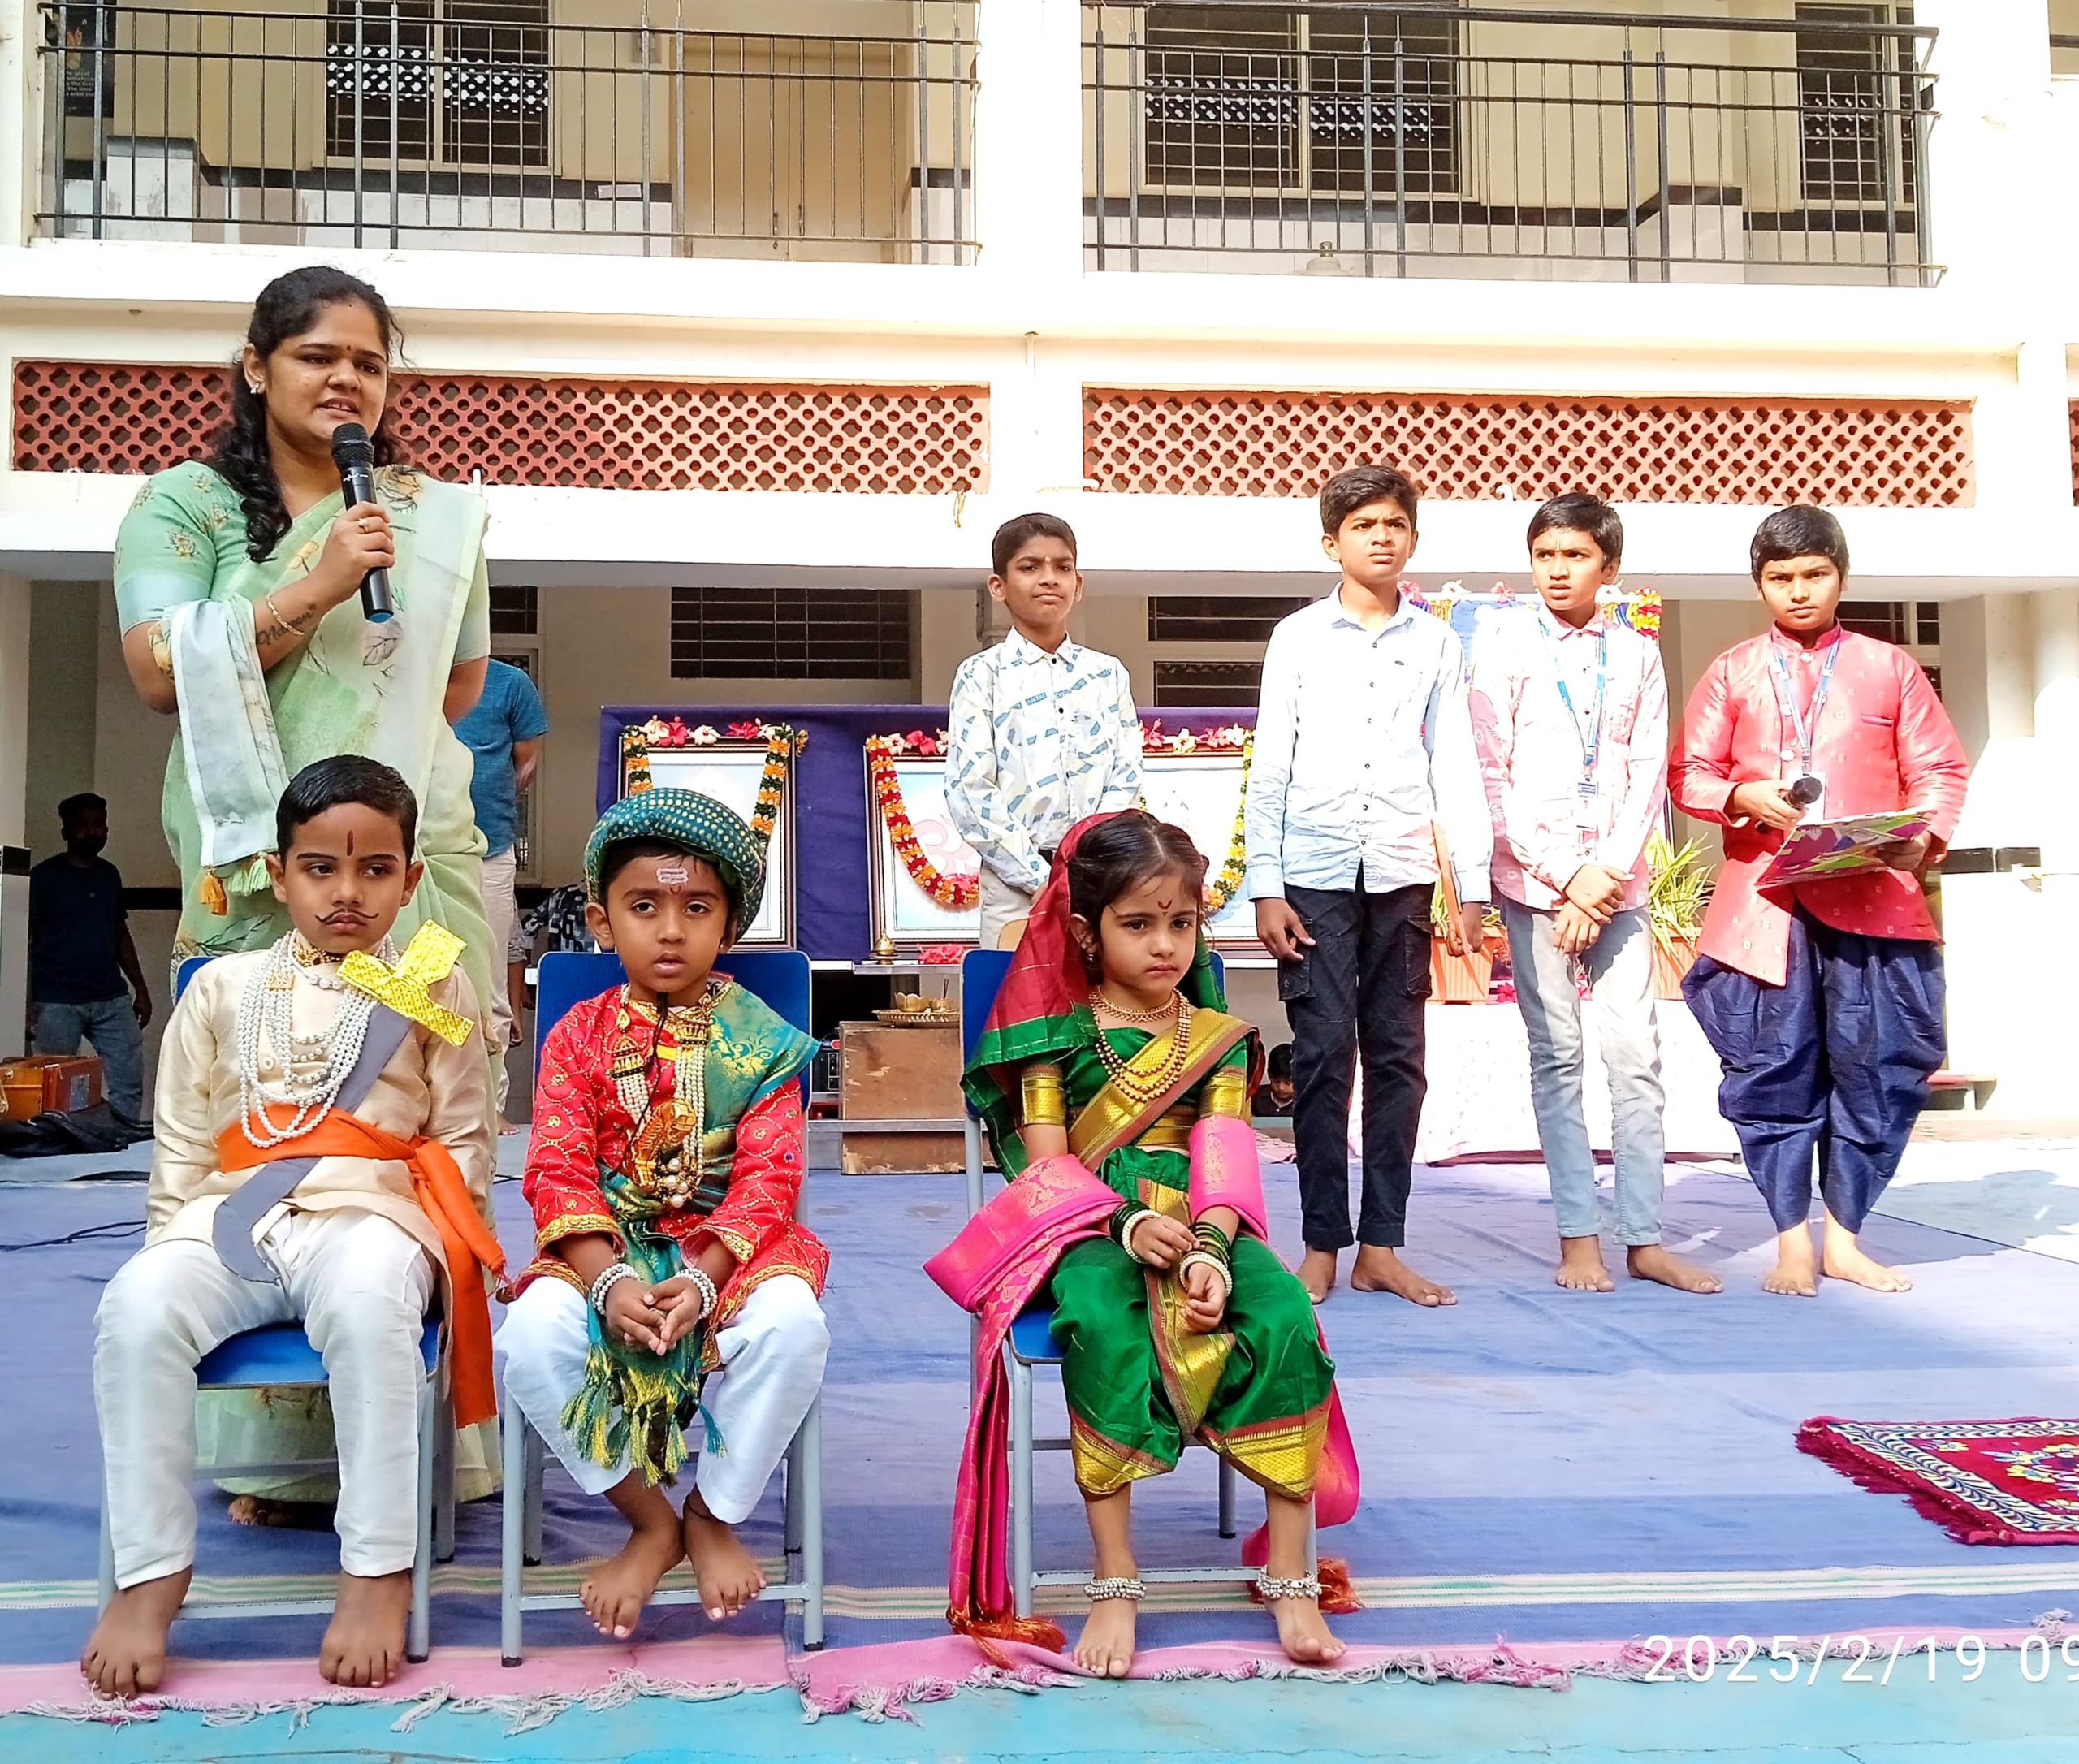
698	825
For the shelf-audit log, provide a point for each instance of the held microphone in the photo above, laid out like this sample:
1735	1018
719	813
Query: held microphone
355	456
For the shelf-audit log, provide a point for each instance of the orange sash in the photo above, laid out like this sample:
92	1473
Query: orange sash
437	1182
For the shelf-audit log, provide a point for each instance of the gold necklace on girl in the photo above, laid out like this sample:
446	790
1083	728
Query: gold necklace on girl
1136	1088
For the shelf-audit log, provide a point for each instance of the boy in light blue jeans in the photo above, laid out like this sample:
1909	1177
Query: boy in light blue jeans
1569	713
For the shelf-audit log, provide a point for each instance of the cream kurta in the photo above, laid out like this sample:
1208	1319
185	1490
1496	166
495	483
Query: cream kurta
430	1087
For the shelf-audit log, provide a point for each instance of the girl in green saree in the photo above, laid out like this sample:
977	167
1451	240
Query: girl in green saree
238	583
1110	1060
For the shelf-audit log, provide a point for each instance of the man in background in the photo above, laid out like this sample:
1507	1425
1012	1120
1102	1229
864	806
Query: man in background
505	733
80	957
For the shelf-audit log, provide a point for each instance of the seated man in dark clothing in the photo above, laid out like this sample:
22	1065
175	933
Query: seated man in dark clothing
81	955
1274	1095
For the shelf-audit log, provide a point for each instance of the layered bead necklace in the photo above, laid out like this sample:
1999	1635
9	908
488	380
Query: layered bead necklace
1136	1088
672	1148
267	1019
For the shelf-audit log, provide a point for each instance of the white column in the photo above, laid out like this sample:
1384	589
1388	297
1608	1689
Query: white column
21	119
14	814
1028	143
2056	618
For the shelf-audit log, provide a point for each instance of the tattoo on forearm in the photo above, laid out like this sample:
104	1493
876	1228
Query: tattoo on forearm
284	628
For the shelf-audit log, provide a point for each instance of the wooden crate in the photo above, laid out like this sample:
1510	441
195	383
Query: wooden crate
889	1073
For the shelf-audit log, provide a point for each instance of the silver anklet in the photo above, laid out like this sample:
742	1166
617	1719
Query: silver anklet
1116	1586
1272	1586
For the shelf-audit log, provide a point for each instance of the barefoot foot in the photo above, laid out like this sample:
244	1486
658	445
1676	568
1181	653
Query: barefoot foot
1303	1632
614	1596
1381	1270
1795	1274
1845	1261
295	1516
364	1645
1317	1273
1581	1267
1650	1261
729	1576
506	1128
126	1654
1105	1648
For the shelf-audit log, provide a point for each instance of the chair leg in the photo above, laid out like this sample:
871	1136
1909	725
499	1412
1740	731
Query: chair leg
1228	1478
537	1478
514	1497
808	1505
444	1477
1020	1485
790	1509
105	1589
418	1641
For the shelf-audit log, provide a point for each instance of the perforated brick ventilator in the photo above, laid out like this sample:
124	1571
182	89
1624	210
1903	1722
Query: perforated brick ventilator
1458	448
589	434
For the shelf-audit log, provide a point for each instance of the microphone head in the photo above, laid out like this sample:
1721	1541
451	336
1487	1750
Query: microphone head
351	447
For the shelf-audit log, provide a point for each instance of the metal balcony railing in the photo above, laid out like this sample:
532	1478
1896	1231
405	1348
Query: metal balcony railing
488	124
1340	137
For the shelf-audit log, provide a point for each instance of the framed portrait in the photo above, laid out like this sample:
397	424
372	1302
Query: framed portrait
730	772
902	911
1202	793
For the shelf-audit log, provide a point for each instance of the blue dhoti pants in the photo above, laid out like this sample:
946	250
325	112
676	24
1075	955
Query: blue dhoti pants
1831	1068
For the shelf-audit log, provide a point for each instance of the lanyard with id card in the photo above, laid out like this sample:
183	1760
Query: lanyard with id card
1588	820
1807	788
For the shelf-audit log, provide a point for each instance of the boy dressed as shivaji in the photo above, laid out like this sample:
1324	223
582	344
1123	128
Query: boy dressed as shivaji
324	1155
673	1286
1823	1000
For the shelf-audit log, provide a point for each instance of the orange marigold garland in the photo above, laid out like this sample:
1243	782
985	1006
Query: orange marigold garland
1224	885
783	743
955	893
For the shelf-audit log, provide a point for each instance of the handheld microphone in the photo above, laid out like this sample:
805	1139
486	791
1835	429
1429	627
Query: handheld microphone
355	456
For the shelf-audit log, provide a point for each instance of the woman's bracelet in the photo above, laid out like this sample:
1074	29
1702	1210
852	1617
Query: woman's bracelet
709	1298
1215	1243
607	1280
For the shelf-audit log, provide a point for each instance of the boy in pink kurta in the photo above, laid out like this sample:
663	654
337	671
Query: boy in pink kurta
1824	1000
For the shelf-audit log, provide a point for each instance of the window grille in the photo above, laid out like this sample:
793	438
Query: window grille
792	634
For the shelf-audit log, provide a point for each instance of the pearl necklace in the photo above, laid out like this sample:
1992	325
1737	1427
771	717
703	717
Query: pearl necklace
265	1020
1144	1090
678	1168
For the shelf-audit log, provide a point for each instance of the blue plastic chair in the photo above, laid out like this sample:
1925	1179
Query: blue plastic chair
280	1354
565	978
1031	1344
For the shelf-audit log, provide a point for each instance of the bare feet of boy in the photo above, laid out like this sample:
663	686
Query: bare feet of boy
506	1128
729	1576
1303	1632
1105	1648
615	1595
1845	1261
1380	1269
1317	1273
1581	1267
364	1645
1795	1274
1650	1261
295	1516
126	1654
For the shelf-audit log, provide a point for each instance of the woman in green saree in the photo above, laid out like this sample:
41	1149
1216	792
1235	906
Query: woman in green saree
238	583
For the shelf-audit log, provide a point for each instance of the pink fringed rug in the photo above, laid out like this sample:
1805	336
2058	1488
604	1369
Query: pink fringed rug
1985	1482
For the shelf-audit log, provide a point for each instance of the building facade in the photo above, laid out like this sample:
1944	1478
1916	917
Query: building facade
755	322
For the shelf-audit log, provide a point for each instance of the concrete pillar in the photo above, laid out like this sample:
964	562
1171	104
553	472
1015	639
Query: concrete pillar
13	795
21	119
2054	616
1028	203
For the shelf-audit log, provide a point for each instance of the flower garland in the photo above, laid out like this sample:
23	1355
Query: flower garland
955	893
1224	885
1233	739
783	744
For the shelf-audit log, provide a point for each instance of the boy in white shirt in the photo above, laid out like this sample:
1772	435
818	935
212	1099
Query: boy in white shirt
1570	710
1041	730
1363	748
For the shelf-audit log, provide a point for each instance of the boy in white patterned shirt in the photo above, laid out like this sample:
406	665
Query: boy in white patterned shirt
1042	731
1570	711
